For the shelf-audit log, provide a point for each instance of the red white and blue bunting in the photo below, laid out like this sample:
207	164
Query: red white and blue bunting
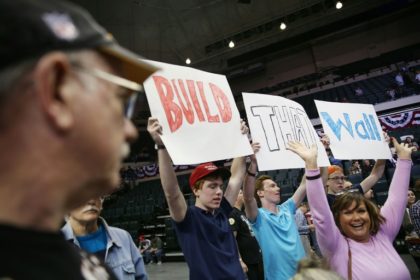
400	120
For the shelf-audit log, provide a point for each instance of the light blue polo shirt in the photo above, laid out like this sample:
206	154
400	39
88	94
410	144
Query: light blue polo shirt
279	240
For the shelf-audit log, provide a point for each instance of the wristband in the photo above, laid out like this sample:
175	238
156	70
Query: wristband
160	147
251	174
313	177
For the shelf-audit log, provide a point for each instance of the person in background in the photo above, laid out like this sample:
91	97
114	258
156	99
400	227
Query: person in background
336	180
410	142
65	84
249	250
355	237
303	227
154	254
144	246
355	167
417	77
86	229
399	79
411	226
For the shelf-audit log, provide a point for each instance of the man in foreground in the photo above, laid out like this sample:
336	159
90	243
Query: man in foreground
64	86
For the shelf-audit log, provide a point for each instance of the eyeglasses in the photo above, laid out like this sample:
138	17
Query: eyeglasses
342	178
129	103
348	191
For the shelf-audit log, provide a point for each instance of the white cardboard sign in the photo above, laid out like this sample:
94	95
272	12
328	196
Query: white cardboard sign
198	114
354	130
274	121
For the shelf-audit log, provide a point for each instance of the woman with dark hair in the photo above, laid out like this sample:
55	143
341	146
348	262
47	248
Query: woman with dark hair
356	237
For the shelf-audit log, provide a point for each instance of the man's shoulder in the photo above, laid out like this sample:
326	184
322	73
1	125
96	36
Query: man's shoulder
117	230
120	234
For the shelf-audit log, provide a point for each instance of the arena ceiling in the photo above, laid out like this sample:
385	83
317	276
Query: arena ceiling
174	30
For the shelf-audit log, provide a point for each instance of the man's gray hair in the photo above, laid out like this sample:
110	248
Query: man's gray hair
12	75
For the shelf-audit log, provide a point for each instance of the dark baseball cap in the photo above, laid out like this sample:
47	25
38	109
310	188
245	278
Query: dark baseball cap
206	169
31	28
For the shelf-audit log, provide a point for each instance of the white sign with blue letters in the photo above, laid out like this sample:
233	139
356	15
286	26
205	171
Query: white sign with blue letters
354	130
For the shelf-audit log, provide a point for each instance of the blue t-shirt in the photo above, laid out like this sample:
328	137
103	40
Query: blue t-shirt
279	240
208	244
94	243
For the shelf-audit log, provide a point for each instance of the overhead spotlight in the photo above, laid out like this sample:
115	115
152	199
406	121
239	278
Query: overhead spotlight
338	5
188	61
283	26
231	44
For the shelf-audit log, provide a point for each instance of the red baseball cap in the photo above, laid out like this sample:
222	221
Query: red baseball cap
206	169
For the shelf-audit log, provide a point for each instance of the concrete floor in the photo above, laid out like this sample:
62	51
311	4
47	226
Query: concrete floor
168	271
179	270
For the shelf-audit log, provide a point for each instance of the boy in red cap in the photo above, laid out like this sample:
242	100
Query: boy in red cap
203	230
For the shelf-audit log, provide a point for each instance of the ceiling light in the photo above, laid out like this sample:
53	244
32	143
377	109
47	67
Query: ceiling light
188	61
338	5
231	44
283	26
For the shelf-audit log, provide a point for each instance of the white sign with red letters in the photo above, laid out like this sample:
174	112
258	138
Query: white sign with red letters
198	114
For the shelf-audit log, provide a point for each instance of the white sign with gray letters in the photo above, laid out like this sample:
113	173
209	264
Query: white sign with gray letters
274	121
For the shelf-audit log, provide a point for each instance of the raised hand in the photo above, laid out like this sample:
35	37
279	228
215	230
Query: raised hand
155	130
325	140
387	138
402	150
256	148
308	155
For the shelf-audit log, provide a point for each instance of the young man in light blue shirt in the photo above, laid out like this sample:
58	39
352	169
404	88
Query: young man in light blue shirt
274	225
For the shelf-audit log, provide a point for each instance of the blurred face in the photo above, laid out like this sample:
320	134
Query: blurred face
87	213
209	195
270	192
336	182
102	132
411	197
355	222
304	209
